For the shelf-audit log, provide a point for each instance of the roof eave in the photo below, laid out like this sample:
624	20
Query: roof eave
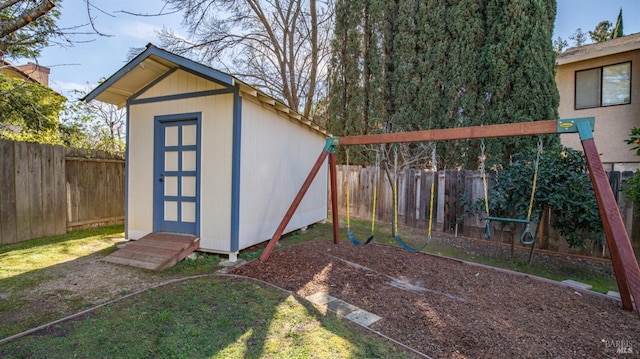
175	59
588	55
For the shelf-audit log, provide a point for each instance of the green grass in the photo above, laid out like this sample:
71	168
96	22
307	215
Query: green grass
209	317
30	256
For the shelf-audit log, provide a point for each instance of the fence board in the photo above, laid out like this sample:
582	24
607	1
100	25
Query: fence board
8	232
71	175
409	194
48	190
60	195
23	219
35	191
2	170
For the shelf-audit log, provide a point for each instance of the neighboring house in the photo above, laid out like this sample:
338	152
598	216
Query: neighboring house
29	71
210	155
597	80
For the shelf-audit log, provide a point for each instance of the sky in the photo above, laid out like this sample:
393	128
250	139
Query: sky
93	57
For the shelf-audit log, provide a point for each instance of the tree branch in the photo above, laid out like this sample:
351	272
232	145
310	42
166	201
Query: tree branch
29	15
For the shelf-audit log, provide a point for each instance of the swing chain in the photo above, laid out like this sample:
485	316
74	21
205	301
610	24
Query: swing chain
483	174
434	160
347	199
395	189
376	181
540	144
535	178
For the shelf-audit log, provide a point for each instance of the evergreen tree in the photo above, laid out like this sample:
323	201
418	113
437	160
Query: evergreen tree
579	38
433	64
521	70
602	32
345	94
372	73
617	30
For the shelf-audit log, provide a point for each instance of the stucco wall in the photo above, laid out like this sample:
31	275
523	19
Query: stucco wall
613	123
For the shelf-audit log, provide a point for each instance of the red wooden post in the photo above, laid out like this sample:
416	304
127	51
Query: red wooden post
625	265
294	205
334	197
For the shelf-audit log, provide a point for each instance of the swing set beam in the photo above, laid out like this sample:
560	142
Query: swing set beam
460	133
623	258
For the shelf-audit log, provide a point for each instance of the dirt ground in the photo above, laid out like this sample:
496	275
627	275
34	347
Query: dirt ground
441	307
449	309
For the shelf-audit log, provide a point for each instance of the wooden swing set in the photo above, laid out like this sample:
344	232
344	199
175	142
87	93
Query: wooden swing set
624	261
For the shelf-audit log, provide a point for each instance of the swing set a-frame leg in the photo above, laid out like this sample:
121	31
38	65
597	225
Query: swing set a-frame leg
329	150
625	265
294	205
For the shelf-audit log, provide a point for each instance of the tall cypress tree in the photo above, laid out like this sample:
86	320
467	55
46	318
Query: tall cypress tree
465	75
520	65
373	74
345	103
618	30
440	64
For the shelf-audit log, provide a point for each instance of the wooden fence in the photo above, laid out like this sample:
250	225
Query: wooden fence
414	193
47	190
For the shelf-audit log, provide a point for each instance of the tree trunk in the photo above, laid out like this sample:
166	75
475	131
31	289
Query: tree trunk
314	59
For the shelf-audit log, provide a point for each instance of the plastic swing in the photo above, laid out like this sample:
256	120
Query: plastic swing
402	244
527	237
350	234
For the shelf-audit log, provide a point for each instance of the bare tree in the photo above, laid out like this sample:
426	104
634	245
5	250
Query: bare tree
279	46
94	125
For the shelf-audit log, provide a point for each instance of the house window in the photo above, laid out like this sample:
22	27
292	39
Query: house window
603	86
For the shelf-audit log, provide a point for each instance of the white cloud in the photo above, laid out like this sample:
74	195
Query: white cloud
139	30
67	88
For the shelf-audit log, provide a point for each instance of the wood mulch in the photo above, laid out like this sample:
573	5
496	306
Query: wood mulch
446	308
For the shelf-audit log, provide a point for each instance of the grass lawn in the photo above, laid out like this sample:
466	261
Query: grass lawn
209	316
35	254
212	317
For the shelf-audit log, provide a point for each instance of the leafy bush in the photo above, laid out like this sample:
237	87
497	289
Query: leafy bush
29	111
563	185
631	189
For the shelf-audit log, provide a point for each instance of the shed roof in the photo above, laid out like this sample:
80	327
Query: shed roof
154	63
600	49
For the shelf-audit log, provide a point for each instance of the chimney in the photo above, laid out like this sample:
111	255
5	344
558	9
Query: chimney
36	72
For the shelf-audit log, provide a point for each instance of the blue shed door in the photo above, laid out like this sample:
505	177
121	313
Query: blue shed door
176	167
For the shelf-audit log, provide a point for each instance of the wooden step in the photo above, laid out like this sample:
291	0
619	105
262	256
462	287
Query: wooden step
155	251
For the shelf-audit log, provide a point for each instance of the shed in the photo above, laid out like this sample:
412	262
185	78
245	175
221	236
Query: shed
209	155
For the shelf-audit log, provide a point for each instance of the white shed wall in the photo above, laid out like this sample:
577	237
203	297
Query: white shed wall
215	175
276	157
